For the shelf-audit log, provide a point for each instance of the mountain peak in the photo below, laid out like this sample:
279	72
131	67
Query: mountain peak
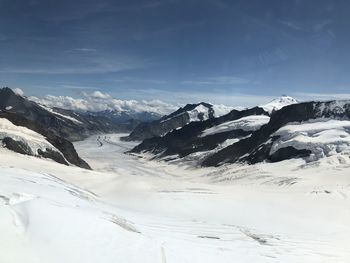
9	99
279	103
7	91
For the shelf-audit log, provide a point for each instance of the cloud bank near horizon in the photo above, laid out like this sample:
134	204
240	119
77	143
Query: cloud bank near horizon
98	101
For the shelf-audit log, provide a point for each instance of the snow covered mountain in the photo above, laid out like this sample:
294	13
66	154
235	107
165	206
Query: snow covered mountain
25	141
27	137
72	125
28	128
103	104
206	135
297	130
278	103
183	116
63	125
309	130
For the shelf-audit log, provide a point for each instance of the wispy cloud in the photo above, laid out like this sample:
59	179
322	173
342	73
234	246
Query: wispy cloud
135	80
168	29
223	97
96	65
83	50
323	96
146	4
273	56
314	26
220	80
63	71
77	87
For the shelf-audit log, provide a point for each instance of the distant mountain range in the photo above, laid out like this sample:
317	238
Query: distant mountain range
181	117
202	133
280	130
55	128
106	104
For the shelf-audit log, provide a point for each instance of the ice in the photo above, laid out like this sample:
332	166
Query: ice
323	137
249	123
132	209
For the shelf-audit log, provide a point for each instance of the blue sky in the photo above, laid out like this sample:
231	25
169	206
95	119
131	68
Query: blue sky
222	51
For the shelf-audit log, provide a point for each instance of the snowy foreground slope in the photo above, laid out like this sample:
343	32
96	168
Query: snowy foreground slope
133	210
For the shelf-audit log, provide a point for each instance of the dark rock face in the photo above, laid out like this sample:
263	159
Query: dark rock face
68	150
63	145
187	140
16	146
50	154
156	128
126	117
262	153
10	102
23	148
288	153
167	123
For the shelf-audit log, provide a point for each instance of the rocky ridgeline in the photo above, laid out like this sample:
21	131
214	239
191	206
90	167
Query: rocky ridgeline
247	144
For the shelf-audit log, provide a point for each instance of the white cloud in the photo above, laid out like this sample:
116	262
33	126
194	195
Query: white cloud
323	96
314	26
151	81
219	80
18	91
83	49
215	96
99	95
92	65
107	68
99	101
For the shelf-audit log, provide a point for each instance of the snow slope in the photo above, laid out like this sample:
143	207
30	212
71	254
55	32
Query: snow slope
34	140
60	114
136	210
200	110
221	110
324	137
278	103
249	123
332	107
44	219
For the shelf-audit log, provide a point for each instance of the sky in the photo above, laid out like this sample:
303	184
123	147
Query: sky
234	52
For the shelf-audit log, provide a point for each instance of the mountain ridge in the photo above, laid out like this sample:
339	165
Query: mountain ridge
250	143
189	113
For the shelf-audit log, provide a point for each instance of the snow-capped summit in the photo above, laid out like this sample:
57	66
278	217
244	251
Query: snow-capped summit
278	103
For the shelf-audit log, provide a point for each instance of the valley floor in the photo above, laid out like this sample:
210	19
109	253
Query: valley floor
133	209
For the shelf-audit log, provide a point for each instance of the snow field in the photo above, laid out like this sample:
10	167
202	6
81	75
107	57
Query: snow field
132	209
